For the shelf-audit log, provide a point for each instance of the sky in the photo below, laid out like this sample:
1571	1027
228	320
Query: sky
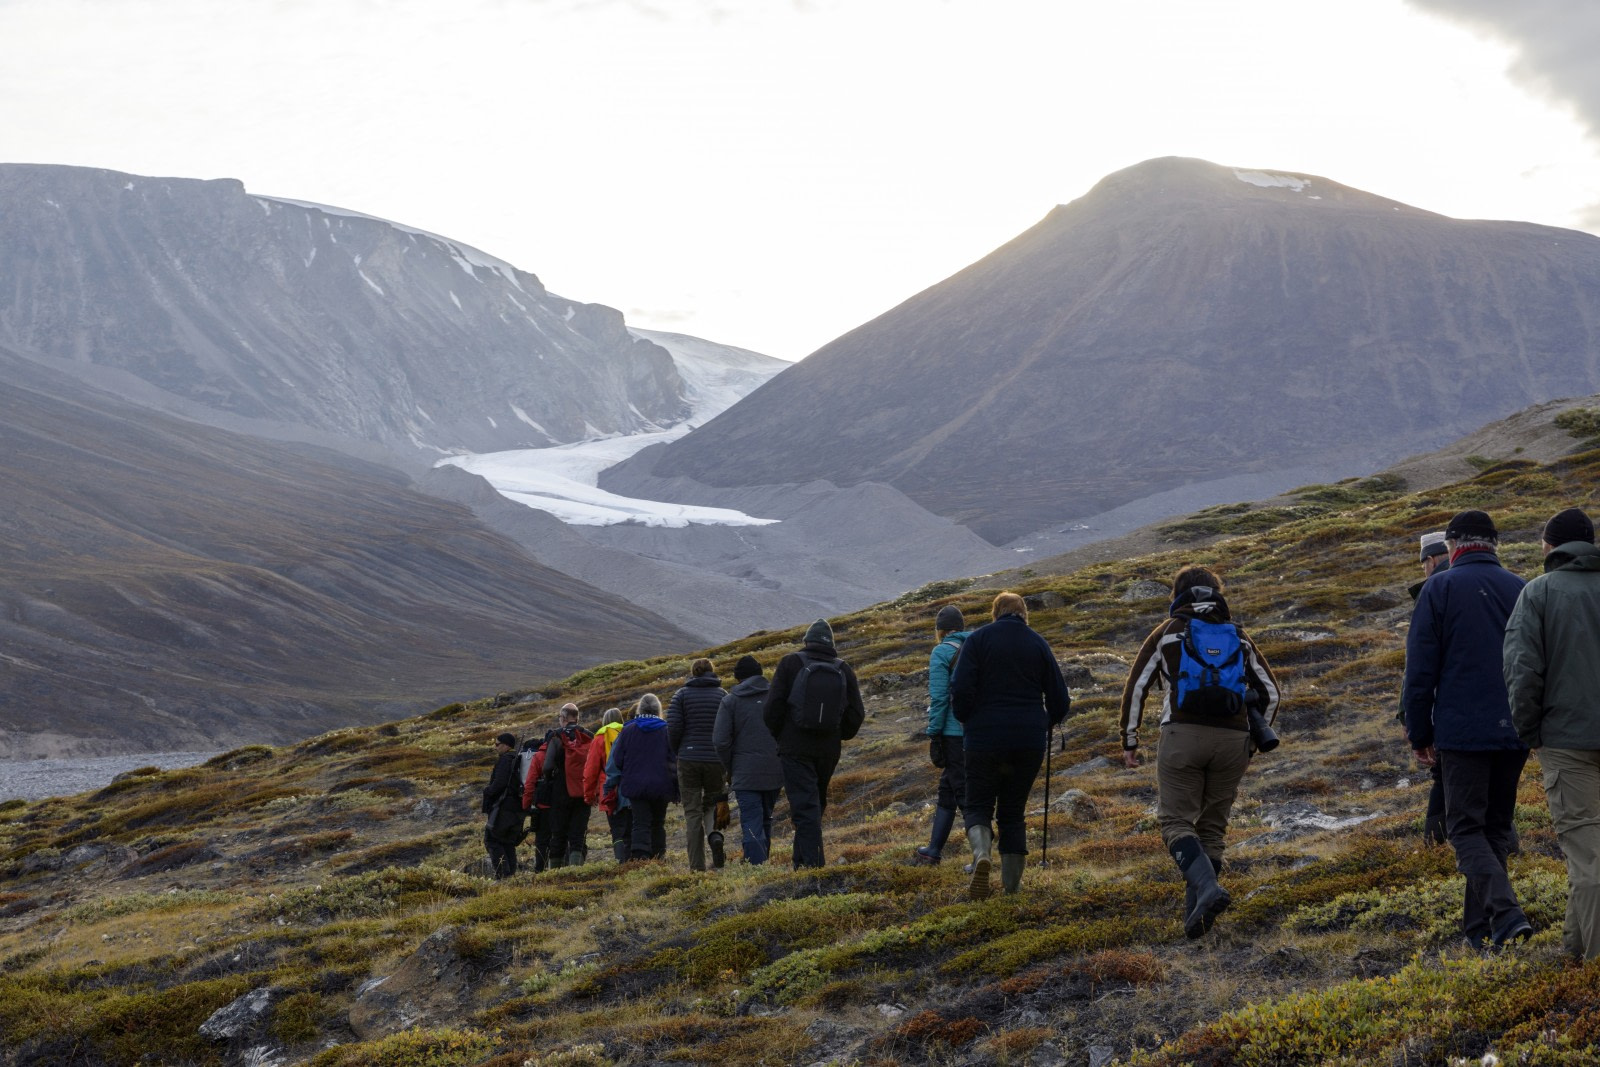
773	173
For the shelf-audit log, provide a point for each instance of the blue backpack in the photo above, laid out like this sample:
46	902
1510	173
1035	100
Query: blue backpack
1210	682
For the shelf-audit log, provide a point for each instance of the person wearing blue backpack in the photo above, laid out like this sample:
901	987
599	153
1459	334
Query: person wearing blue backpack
1212	680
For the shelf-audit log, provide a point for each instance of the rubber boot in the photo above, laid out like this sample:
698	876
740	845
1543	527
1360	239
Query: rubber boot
1011	865
1210	899
718	855
1188	892
576	857
944	819
619	849
557	861
981	838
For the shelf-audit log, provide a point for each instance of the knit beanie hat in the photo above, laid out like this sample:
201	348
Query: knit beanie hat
1569	525
747	667
819	633
1472	525
1433	544
949	618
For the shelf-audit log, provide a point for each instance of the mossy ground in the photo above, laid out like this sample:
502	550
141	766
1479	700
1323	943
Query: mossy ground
315	867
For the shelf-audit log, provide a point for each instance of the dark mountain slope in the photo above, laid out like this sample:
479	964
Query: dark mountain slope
1181	322
164	584
257	313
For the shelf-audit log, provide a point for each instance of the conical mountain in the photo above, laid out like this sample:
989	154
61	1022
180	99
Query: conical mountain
1181	322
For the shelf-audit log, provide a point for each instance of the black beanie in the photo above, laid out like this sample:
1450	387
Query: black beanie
1473	526
949	618
747	667
819	633
1569	525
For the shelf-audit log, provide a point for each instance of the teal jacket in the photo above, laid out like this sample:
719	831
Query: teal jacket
1552	652
941	665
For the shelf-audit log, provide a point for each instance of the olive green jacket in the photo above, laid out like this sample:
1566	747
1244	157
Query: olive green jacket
1552	652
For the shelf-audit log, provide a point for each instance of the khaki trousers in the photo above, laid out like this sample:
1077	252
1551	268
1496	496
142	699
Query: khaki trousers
1198	769
1572	784
699	786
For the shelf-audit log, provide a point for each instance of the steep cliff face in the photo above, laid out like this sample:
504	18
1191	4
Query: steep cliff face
1181	322
242	306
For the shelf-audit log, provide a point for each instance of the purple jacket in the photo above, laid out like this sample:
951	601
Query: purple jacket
642	761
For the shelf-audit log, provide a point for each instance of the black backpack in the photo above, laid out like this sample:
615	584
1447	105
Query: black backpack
817	697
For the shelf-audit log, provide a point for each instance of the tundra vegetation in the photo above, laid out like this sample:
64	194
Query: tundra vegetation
130	915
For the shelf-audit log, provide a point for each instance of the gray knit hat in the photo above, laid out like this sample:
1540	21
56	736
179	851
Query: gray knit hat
819	633
1433	544
949	618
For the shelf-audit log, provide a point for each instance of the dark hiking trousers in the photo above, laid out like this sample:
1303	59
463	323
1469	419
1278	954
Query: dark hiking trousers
502	857
1480	798
953	779
805	782
699	786
998	784
569	827
649	828
755	821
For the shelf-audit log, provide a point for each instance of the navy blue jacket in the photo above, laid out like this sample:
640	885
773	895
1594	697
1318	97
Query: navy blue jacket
642	765
692	719
1455	692
1007	689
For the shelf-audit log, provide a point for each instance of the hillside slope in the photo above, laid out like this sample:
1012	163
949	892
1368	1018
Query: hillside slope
1182	322
331	894
165	585
309	322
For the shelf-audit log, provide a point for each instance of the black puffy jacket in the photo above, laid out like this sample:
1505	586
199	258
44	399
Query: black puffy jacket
692	720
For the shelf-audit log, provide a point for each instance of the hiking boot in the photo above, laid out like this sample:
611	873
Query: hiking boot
982	840
1518	930
1210	899
718	856
1011	865
925	857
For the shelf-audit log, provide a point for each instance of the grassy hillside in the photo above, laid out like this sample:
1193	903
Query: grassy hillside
129	915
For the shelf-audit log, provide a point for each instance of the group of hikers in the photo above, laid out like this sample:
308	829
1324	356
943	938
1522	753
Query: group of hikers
1494	668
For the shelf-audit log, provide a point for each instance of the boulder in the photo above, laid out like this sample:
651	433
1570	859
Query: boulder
430	986
1076	804
1090	766
1147	590
1076	675
243	1017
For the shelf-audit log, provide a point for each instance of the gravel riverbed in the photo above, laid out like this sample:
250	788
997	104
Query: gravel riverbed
36	778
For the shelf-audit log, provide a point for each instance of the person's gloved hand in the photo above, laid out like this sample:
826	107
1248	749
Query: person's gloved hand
936	752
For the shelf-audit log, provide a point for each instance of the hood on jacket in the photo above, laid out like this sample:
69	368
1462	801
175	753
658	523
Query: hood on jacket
649	723
755	684
1573	556
819	633
1200	602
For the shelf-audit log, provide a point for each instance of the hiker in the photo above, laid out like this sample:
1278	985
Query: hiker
1435	558
691	718
749	754
813	704
538	797
1007	692
618	814
1212	678
1552	675
566	754
945	748
644	772
1458	714
502	797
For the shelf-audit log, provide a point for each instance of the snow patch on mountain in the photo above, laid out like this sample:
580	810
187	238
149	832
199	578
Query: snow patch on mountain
1271	181
564	480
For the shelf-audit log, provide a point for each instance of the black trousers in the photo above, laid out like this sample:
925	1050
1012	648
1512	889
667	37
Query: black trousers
953	779
502	857
805	782
1480	799
998	784
569	829
649	828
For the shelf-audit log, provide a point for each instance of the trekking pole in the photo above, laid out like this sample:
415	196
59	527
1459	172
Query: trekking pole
1050	742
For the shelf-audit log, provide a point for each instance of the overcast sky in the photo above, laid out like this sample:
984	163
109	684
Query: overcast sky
773	173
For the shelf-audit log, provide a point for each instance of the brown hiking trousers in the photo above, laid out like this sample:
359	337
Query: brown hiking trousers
1198	769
